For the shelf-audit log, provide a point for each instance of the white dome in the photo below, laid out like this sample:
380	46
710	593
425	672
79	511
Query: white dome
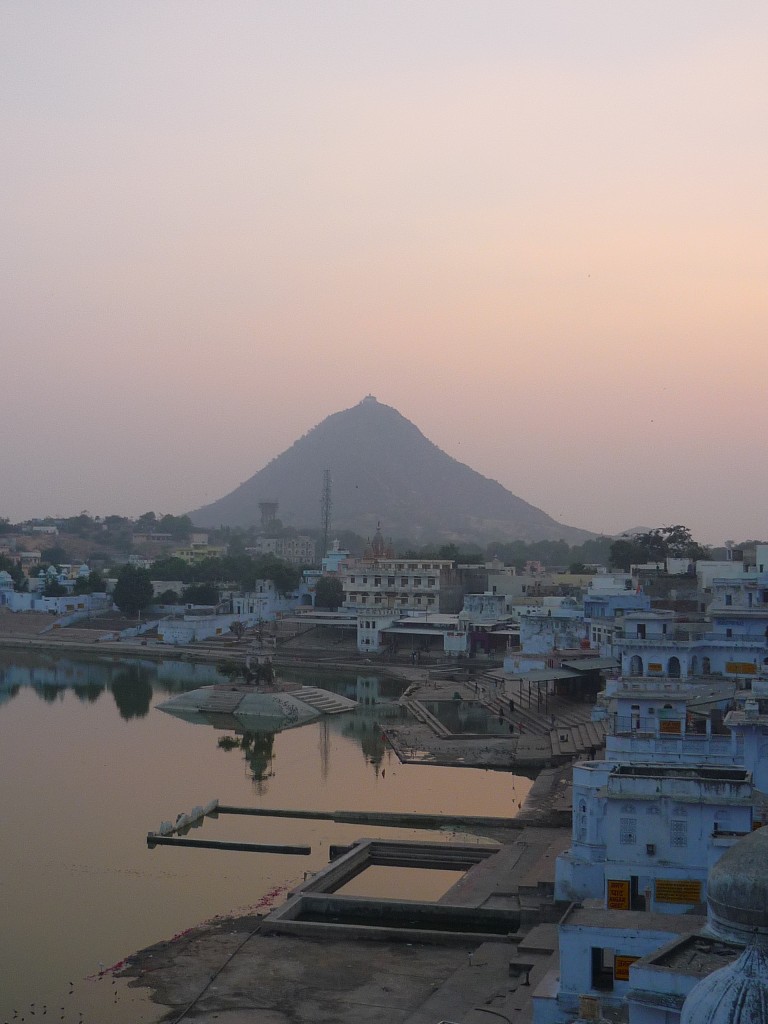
737	890
736	994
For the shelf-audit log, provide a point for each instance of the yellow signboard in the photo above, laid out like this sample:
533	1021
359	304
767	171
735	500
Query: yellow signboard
618	894
670	725
684	890
740	668
621	967
654	666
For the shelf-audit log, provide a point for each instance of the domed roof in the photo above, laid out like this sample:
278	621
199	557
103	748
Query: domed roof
737	890
736	994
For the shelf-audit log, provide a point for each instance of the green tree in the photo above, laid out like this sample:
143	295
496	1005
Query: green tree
627	551
172	568
54	556
14	571
656	545
329	593
54	589
200	593
177	526
93	583
133	591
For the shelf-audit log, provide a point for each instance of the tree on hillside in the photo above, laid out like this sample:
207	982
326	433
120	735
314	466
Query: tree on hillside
54	556
177	526
329	593
172	568
133	591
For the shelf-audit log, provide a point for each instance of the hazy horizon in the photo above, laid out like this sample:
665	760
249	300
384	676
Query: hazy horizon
537	231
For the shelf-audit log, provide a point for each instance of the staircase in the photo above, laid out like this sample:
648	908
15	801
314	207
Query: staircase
574	734
323	700
222	701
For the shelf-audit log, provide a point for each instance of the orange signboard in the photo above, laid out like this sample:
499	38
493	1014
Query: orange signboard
673	890
670	725
621	967
740	668
618	894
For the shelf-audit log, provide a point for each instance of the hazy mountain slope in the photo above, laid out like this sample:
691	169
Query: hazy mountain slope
383	468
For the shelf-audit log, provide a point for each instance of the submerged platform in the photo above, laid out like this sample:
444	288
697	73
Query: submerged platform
254	709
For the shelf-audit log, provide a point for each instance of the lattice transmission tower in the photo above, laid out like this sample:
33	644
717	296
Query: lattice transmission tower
326	507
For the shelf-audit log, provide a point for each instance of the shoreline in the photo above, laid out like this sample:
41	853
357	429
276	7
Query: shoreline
175	974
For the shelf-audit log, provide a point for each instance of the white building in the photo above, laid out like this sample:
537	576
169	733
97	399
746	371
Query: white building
645	835
263	603
648	968
382	590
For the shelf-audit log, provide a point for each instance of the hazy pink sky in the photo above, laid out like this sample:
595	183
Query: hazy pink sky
538	229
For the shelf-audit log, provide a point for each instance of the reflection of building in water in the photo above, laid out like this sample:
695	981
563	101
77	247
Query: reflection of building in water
188	675
61	672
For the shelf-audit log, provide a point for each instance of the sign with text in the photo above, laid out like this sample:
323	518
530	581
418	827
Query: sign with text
673	890
670	726
621	967
740	668
618	894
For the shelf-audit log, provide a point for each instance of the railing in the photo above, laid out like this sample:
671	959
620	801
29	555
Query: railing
711	639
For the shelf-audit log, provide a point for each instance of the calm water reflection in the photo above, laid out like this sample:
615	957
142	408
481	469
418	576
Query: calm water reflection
88	766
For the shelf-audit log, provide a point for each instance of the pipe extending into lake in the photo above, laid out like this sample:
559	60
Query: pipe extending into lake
153	839
387	819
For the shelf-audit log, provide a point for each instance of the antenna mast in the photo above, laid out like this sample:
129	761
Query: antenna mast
326	507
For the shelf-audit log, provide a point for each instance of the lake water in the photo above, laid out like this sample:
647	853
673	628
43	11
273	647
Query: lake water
88	766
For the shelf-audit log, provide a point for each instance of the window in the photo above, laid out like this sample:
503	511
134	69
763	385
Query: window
430	581
390	581
417	581
403	581
729	599
351	579
678	833
377	599
602	968
377	581
365	579
628	831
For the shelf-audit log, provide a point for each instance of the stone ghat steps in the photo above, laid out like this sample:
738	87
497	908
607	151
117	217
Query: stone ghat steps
323	700
530	721
573	735
223	701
